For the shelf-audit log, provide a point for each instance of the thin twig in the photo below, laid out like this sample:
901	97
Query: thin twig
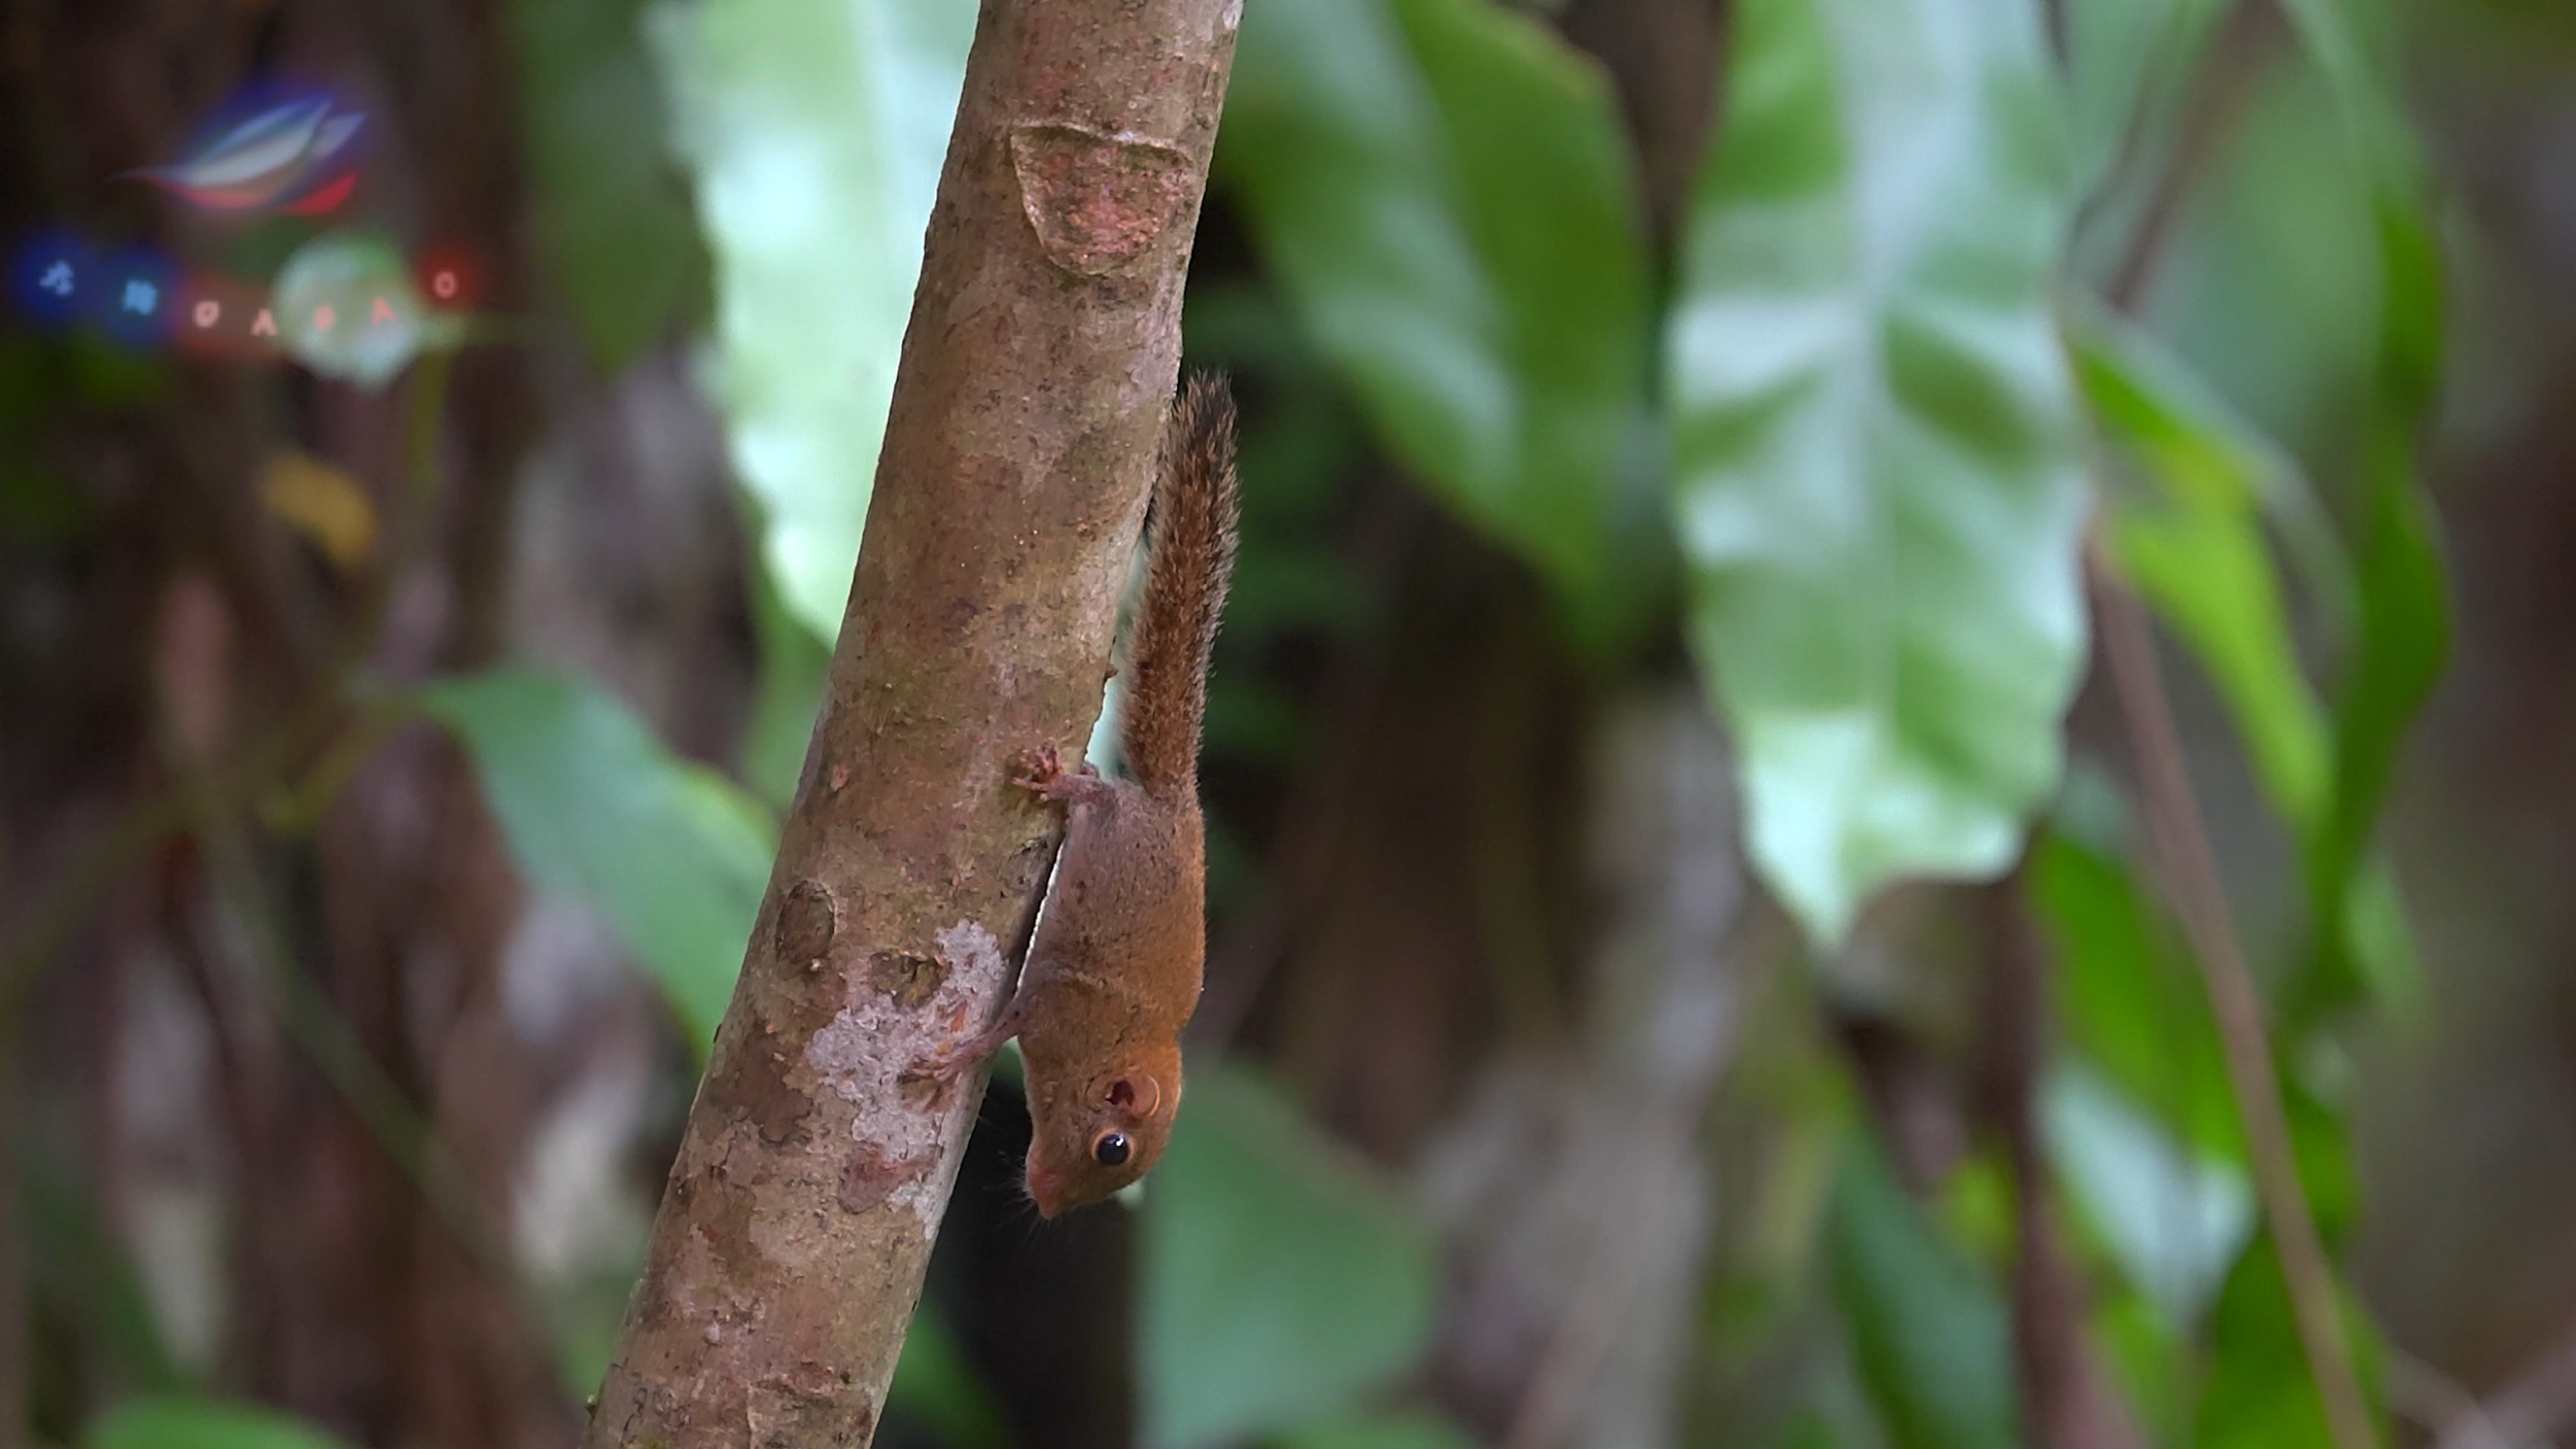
2236	56
2180	843
2424	1395
2531	1408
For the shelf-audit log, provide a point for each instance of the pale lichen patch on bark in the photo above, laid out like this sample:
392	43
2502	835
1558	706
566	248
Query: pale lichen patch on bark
892	1020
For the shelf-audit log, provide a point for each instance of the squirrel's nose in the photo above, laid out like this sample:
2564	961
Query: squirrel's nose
1046	1190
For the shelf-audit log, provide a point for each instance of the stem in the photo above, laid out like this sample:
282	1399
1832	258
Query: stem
2236	55
2180	843
2068	1401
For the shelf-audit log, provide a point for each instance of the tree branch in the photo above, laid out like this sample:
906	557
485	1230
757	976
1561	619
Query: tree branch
2190	869
1037	372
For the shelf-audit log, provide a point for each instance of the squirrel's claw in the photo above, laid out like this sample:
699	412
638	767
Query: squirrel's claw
1041	772
955	1061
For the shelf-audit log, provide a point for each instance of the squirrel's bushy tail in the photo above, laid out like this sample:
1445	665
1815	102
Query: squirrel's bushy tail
1192	536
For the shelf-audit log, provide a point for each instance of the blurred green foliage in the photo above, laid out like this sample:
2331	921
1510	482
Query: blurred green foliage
1280	1281
1875	467
672	853
1441	189
813	135
184	1423
612	219
1928	1330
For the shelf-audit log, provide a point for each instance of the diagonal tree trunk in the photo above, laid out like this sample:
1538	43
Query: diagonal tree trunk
1037	370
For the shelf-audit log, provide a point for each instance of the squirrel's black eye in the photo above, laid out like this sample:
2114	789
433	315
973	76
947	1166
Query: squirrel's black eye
1110	1150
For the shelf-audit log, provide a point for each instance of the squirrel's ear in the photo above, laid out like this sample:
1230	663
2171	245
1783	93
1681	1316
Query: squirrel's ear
1136	1096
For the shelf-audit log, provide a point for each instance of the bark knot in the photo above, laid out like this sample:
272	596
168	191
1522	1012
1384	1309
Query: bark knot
806	921
1098	200
908	978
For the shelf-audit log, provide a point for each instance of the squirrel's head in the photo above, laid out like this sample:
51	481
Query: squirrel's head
1091	1138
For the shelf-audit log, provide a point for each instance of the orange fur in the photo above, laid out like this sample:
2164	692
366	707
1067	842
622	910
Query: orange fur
1114	972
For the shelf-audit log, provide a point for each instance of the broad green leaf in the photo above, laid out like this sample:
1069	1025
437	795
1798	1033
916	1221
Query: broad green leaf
1411	1431
671	853
2194	547
814	130
2173	1220
2130	996
1443	188
2156	1366
2259	1393
346	307
2205	569
2196	551
612	220
1926	1329
1877	482
1280	1281
183	1423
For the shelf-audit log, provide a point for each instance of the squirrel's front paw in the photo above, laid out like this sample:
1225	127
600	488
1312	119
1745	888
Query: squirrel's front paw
1041	772
950	1063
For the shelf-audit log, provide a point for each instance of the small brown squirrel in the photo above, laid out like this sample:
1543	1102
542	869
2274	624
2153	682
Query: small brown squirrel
1114	972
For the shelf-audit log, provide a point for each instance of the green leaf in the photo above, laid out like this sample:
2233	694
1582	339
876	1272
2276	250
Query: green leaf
2194	547
1927	1330
2206	571
1876	475
2260	1393
2130	995
1411	1431
815	133
346	307
2196	552
1443	188
183	1423
2405	619
2173	1220
612	220
1280	1281
2156	1366
671	853
2403	644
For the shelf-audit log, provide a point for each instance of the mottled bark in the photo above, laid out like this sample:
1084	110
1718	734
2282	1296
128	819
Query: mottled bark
1038	367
